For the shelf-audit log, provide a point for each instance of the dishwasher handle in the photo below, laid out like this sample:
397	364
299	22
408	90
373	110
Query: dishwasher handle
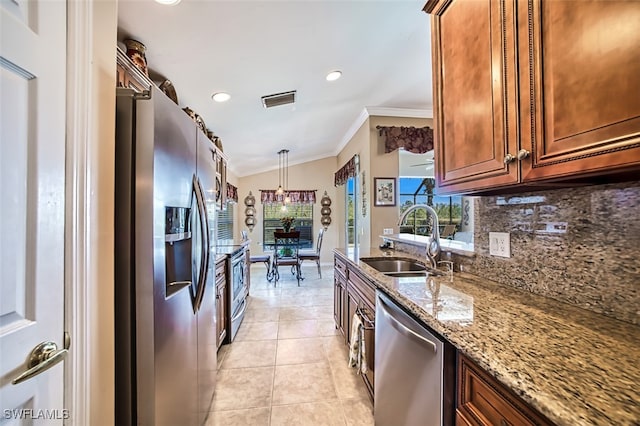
403	329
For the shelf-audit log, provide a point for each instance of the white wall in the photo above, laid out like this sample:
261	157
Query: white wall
89	304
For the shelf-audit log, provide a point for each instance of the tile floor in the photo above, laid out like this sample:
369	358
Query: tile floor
288	364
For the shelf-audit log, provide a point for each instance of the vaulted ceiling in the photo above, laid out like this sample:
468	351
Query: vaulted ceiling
254	48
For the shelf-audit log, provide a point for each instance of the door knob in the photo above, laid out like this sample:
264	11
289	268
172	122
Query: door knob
44	356
508	159
522	154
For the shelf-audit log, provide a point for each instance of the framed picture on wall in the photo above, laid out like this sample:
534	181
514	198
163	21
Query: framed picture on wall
385	191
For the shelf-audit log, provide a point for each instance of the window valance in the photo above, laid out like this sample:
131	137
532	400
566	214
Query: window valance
347	171
412	139
297	196
232	193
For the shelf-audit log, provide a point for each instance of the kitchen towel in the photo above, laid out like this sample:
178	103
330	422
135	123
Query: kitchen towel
357	349
363	354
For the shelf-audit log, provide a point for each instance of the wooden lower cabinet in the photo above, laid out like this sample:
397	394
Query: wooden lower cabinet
221	301
483	401
355	295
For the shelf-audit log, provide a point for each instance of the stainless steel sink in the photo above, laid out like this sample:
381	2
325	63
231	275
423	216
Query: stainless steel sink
394	265
400	267
406	274
409	274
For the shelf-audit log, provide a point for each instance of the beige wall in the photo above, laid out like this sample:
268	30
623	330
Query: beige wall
319	175
316	175
385	165
374	163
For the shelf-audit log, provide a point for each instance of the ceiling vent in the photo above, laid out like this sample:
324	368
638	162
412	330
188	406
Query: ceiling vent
278	99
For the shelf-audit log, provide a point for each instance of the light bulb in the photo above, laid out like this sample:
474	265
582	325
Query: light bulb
221	97
334	75
279	191
287	199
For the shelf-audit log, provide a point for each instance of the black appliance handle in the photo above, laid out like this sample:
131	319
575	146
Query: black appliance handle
204	258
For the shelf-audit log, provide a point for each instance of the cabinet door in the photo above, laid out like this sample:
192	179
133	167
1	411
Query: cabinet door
350	309
369	313
221	302
580	87
475	102
221	313
338	301
483	401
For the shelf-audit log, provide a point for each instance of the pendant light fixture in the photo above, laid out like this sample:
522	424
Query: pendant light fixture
280	191
283	175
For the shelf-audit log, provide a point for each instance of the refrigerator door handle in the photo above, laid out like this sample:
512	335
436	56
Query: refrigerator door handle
204	257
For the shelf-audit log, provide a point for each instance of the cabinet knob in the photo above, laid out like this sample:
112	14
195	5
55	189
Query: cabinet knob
522	154
508	159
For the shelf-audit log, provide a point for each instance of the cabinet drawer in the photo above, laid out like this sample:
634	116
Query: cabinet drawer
364	288
484	401
340	265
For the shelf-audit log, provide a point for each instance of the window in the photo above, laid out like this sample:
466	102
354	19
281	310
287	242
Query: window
303	214
415	191
351	213
225	223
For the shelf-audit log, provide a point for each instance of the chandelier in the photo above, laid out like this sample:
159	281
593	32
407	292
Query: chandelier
283	176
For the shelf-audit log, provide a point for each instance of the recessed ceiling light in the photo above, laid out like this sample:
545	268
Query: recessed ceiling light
334	75
168	2
221	97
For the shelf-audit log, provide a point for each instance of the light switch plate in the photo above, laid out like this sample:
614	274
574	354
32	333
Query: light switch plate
500	244
387	231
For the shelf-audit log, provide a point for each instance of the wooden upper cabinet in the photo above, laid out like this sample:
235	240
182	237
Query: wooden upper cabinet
474	93
551	87
580	87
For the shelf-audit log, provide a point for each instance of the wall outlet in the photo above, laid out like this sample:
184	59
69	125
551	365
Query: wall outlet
387	231
500	244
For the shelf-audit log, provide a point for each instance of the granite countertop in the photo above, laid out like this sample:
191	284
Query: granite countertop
572	365
229	248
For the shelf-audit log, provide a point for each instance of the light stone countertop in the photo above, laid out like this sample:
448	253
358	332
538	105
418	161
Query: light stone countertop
574	366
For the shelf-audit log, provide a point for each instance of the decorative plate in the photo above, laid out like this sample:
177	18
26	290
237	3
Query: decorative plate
168	89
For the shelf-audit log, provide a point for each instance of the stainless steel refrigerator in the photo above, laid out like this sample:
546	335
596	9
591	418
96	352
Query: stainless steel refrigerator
165	221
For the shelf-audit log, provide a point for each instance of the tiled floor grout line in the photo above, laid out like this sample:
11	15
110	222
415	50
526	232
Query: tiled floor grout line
271	299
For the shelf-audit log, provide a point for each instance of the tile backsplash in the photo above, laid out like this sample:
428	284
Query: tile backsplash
579	245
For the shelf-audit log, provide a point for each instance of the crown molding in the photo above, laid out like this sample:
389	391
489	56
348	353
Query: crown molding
399	112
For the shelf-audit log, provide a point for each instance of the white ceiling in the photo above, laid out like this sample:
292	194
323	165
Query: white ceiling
255	48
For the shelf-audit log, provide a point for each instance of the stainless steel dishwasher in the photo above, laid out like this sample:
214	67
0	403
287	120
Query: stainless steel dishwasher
409	362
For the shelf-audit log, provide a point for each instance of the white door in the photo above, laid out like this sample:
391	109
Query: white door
32	205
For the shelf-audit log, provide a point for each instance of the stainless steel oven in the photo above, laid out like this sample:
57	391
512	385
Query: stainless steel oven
238	291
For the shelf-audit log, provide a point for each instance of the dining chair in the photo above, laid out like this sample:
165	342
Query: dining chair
448	232
313	255
286	246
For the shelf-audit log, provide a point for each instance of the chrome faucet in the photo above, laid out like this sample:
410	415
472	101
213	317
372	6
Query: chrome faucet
433	248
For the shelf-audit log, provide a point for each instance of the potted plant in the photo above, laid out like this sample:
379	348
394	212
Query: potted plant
287	222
